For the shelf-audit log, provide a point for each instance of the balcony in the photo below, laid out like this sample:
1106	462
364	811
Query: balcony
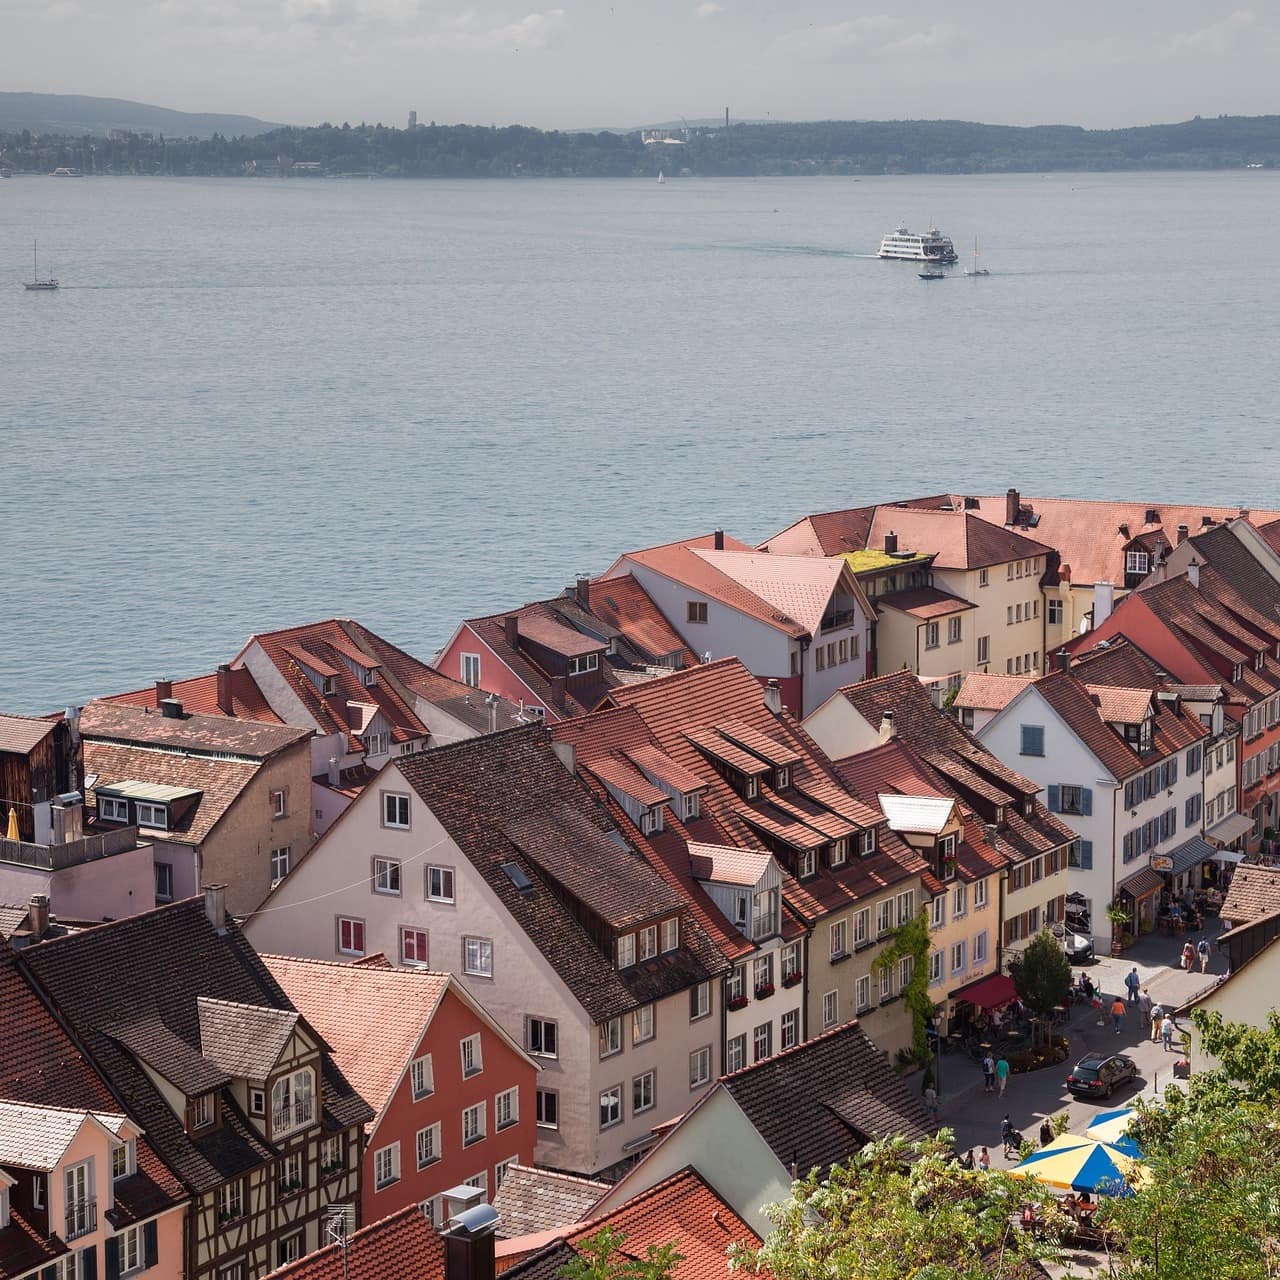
838	618
82	1218
73	853
302	1111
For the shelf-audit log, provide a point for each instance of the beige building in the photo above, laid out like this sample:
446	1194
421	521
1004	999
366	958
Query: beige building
488	859
218	799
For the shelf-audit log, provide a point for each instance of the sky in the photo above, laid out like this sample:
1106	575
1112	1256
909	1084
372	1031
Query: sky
624	63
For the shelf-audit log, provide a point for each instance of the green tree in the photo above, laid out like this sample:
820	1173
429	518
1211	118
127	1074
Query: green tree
912	940
905	1212
1248	1055
1041	973
602	1257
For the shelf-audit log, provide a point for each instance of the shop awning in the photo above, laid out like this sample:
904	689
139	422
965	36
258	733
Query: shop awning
1229	856
1230	828
988	993
1189	854
1142	884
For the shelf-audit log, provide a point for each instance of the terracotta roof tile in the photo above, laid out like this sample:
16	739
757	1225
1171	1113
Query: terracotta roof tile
795	587
403	1246
113	722
924	602
243	1039
22	734
199	695
989	692
822	1102
371	1017
1117	705
1254	892
532	1200
727	865
623	603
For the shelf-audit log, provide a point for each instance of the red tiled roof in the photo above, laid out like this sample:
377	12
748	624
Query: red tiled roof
625	604
21	734
371	1017
402	1246
199	694
1118	705
224	735
989	692
924	602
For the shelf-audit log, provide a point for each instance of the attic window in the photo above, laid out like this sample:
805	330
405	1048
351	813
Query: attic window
516	875
1259	659
782	778
1136	562
153	815
327	685
369	678
751	786
651	820
839	852
690	805
808	863
867	843
583	663
947	857
203	1110
1237	673
111	809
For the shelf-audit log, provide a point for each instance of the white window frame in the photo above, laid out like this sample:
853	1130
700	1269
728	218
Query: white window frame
293	1102
979	894
612	1099
938	911
838	939
427	1145
735	1053
351	924
671	935
644	1024
393	811
113	809
541	1098
700	1067
386	1166
204	1110
421	951
123	1153
789	1030
280	860
386	877
279	803
937	967
960	901
155	816
644	1086
610	1038
506	1109
133	1250
422	1077
164	881
626	947
469	669
980	948
830	1009
647	942
540	1050
471	1055
475	1119
477	956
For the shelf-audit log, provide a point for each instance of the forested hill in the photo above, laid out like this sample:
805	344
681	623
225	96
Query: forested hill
835	147
74	116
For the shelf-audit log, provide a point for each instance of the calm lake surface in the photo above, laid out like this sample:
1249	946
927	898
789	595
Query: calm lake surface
257	403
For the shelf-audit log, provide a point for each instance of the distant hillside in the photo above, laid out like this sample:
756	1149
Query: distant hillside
72	115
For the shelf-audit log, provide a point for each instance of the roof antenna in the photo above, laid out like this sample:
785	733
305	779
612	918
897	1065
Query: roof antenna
339	1222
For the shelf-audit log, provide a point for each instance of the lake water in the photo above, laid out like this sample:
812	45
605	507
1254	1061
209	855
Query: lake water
255	403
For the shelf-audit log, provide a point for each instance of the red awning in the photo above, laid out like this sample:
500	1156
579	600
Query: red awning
988	993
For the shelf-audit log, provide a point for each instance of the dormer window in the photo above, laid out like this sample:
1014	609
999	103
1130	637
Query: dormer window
1146	736
124	1159
671	935
782	778
584	663
626	950
369	678
648	939
740	905
947	857
204	1111
1137	562
839	852
153	815
867	843
1259	660
292	1102
111	809
808	863
1237	673
327	686
765	914
690	805
651	820
751	787
1029	807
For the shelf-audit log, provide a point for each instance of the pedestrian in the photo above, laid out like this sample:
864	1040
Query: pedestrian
1166	1033
984	1160
1157	1017
1133	982
1117	1014
1144	1005
931	1102
988	1074
1046	1132
1202	950
1002	1073
1188	955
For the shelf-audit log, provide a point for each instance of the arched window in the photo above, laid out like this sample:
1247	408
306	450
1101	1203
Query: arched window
293	1101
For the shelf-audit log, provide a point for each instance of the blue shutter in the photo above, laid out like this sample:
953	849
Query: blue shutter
113	1258
1191	810
89	1263
1173	821
1086	801
1173	771
150	1245
1053	798
1086	855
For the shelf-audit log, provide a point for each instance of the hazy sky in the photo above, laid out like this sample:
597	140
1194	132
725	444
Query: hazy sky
567	63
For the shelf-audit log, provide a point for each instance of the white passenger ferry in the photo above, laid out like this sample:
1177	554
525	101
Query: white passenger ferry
933	246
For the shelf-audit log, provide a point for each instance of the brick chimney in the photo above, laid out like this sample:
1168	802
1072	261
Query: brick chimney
557	692
890	543
582	592
888	730
1063	659
164	690
717	539
1012	505
224	688
38	916
1183	531
773	696
511	630
215	906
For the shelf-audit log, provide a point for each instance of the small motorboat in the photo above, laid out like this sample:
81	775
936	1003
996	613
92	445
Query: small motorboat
933	275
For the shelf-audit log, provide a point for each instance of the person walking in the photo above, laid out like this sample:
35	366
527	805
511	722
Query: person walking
1157	1017
988	1073
984	1160
1188	956
931	1103
1133	982
1166	1033
1144	1005
1117	1014
1002	1074
1202	950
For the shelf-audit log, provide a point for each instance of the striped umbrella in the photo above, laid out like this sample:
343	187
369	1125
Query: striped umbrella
1113	1127
1073	1162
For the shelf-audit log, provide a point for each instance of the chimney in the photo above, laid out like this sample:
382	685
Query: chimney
566	753
1063	659
38	916
582	592
890	543
773	696
215	906
67	814
335	773
1183	531
1012	505
888	730
1064	572
491	705
171	708
224	688
468	1243
1193	572
1104	596
511	629
164	689
718	539
557	692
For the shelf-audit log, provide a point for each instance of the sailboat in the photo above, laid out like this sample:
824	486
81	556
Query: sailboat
37	285
660	177
977	271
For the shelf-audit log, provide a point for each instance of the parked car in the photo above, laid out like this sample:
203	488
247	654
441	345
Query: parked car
1078	946
1097	1075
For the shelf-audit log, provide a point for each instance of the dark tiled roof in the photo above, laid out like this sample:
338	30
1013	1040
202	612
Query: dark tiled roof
112	722
488	790
532	1200
245	1040
822	1102
157	965
403	1246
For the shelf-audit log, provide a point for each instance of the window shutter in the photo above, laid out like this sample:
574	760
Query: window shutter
1054	802
1173	770
1191	816
113	1258
49	1273
150	1245
1086	855
89	1263
1086	801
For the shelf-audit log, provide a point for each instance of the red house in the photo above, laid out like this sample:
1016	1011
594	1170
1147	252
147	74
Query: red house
454	1094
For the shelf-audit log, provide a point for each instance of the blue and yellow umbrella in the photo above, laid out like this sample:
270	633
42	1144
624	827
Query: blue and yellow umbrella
1076	1163
1112	1127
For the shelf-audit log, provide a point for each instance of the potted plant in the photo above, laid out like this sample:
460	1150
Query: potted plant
1119	916
734	1003
764	990
793	979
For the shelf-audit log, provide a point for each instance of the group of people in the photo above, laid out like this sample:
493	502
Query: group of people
1151	1012
1193	953
995	1073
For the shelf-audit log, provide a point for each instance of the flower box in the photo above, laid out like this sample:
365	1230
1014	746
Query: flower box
734	1003
764	991
793	979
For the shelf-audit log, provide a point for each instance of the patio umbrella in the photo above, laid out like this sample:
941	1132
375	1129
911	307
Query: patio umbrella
1076	1163
12	833
1113	1127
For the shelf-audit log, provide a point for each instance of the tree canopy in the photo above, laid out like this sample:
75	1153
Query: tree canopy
602	1257
1041	973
